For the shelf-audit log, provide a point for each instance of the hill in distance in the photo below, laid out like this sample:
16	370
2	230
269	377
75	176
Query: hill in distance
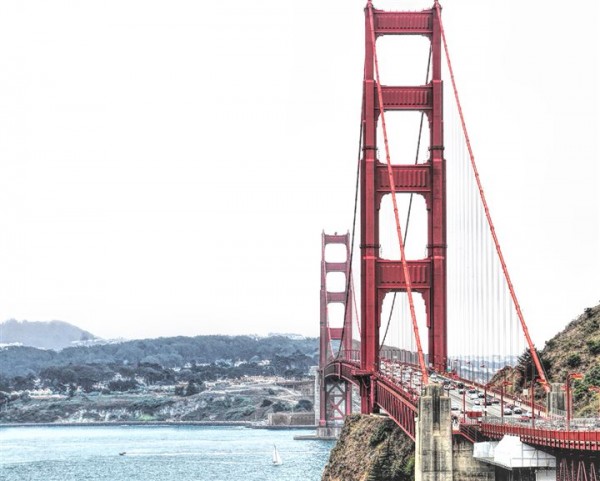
43	335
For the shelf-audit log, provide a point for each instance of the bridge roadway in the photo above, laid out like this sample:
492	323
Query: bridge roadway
397	388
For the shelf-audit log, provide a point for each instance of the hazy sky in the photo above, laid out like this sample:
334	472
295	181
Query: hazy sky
167	167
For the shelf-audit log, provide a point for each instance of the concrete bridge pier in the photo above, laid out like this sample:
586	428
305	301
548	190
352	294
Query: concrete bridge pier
556	399
438	456
433	444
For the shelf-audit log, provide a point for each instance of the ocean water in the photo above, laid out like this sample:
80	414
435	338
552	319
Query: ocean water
158	453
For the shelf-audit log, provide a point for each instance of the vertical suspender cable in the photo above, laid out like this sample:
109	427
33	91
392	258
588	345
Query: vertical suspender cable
534	354
354	305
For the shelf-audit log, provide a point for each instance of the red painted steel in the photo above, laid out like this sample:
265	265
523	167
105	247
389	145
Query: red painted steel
400	405
406	98
568	440
577	450
370	308
405	270
574	467
407	178
403	23
335	399
397	405
378	276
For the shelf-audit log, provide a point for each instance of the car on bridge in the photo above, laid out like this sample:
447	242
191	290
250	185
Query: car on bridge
508	411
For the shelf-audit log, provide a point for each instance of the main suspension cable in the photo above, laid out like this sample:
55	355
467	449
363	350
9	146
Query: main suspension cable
407	280
534	355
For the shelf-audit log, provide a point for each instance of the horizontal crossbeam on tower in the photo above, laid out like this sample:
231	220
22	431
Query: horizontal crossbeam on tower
403	23
390	274
406	98
407	178
336	267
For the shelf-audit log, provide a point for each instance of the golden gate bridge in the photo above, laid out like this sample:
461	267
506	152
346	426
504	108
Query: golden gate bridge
443	310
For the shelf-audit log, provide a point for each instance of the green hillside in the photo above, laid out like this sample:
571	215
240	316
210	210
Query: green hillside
577	350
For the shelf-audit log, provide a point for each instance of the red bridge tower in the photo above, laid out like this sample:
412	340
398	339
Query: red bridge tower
381	276
335	401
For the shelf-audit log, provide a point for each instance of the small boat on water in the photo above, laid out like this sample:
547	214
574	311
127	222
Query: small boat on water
276	458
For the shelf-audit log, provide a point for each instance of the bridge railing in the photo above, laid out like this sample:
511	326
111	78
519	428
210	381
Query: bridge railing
350	355
399	406
542	436
400	356
497	393
342	369
578	424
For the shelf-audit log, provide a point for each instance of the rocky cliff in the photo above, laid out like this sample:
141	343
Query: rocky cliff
371	448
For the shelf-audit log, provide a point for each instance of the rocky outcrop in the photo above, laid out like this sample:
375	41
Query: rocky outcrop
371	448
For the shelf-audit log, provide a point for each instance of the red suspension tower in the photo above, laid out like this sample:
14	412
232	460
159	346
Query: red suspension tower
335	401
381	276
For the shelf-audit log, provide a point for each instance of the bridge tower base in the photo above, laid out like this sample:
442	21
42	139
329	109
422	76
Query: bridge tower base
439	457
433	444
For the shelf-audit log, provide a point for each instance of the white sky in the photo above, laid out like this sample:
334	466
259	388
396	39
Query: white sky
166	167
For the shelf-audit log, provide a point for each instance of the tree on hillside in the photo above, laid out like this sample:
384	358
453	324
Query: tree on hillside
527	370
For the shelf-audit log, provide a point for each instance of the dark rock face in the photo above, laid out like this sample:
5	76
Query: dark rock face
371	448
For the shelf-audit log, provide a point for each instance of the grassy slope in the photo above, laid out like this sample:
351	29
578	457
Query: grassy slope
577	349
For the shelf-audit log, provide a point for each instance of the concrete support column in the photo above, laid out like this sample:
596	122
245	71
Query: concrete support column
556	399
433	455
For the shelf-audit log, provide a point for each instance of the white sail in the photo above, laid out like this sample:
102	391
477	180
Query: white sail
276	457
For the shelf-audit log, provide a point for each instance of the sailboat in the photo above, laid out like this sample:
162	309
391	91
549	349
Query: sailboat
276	458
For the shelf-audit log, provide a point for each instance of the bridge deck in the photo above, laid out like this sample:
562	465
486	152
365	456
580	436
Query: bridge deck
400	403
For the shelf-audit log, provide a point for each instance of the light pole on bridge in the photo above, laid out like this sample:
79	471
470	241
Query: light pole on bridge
504	383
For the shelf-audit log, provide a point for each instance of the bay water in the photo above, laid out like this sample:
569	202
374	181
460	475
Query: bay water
158	453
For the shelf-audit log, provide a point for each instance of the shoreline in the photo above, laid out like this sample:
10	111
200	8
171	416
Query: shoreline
245	424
